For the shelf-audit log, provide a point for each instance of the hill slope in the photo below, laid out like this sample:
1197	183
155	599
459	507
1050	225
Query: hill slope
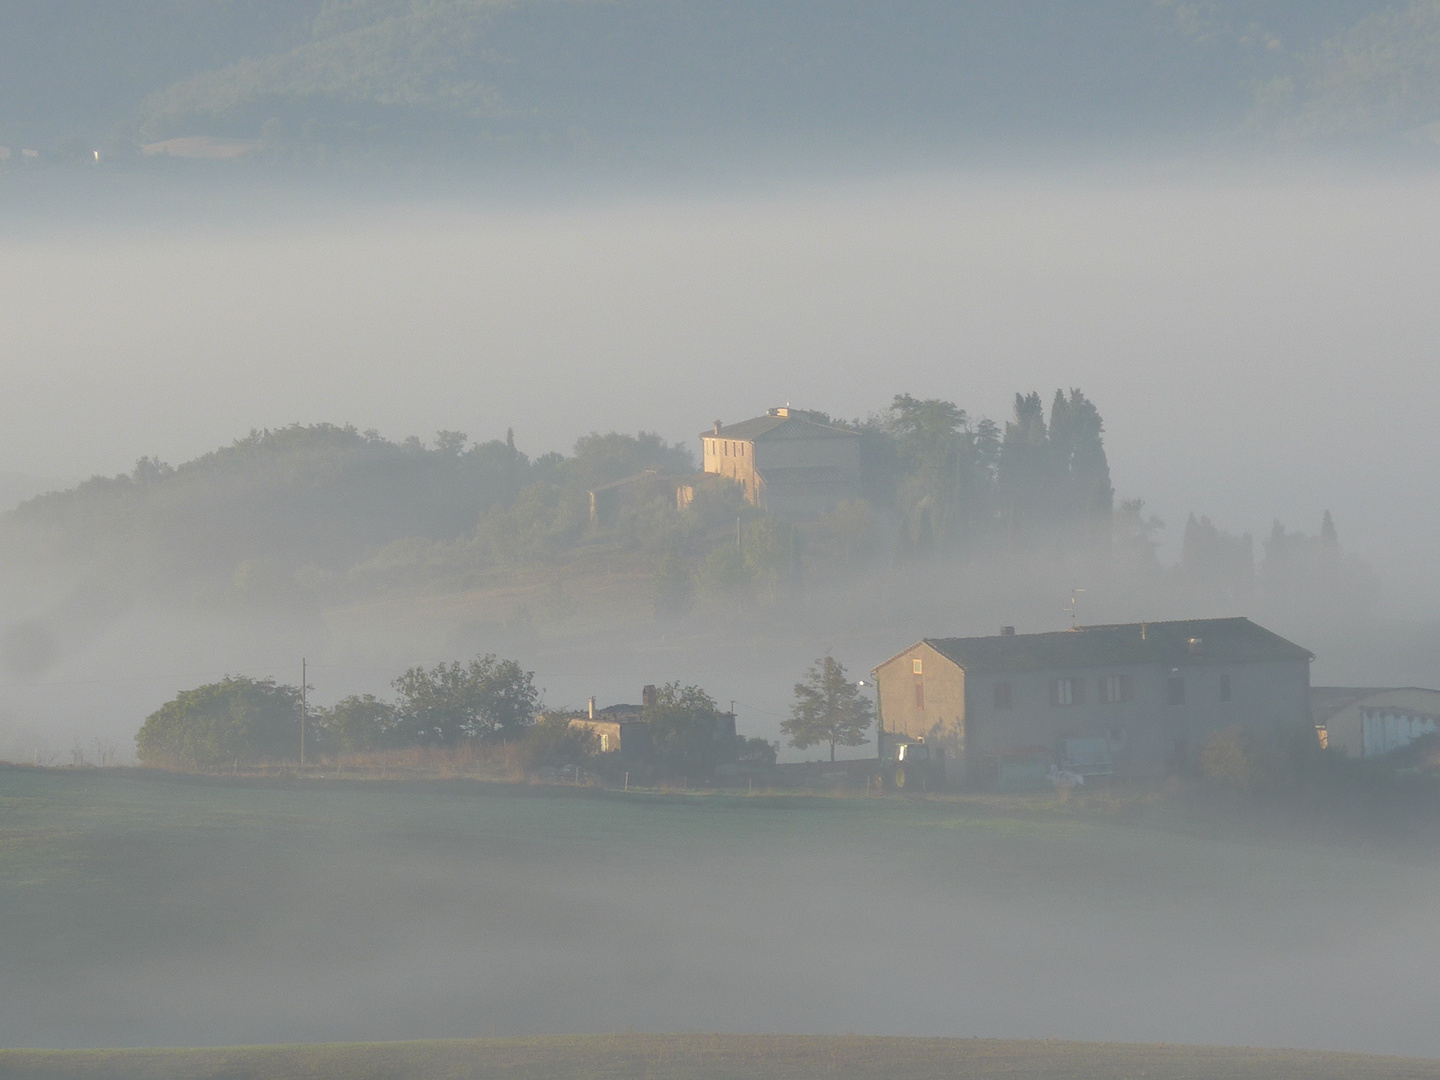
499	78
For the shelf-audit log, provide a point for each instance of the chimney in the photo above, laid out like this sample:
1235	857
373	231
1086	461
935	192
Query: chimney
647	696
1007	631
592	707
717	427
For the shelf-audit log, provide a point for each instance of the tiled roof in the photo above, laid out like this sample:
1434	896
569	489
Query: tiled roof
1216	641
795	426
1326	701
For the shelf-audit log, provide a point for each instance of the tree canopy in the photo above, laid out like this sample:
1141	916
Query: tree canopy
828	708
689	733
238	719
485	698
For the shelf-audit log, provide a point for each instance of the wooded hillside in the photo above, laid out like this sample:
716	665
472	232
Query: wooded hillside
490	80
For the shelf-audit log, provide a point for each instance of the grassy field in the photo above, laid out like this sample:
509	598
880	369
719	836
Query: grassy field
711	1057
154	910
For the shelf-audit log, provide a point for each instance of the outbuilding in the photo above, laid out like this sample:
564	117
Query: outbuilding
1372	721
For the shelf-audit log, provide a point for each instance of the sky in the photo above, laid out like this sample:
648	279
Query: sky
1261	340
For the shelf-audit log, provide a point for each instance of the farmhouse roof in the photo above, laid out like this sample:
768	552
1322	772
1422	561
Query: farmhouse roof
1327	701
784	423
1188	641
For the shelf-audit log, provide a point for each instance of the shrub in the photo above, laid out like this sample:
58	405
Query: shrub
554	741
1231	758
236	719
357	724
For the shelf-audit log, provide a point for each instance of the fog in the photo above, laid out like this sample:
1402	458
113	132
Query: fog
248	915
1259	339
225	227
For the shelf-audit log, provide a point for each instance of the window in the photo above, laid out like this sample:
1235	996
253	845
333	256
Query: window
919	694
604	744
917	666
1002	695
1067	692
727	447
1117	688
1224	687
1175	690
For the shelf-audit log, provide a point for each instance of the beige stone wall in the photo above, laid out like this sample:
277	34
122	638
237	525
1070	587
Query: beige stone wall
607	733
1145	734
937	711
840	452
731	458
739	460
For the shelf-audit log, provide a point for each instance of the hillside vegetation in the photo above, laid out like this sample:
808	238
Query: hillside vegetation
310	519
647	80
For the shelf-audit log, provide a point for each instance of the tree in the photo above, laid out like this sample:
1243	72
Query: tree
948	468
554	741
688	731
768	555
1135	536
356	724
487	697
1217	559
1231	758
237	718
828	708
1055	481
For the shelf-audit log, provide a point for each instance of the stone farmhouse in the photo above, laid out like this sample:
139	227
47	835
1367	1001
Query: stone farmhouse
618	729
623	730
790	462
1132	699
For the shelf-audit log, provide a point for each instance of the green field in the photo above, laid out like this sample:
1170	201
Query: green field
711	1057
143	910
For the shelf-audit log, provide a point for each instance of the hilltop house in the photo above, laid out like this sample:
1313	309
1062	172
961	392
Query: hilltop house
1133	699
790	462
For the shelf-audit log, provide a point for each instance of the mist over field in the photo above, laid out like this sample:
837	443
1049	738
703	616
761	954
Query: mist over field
243	915
380	334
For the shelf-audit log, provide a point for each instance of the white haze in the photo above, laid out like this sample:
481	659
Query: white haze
1260	342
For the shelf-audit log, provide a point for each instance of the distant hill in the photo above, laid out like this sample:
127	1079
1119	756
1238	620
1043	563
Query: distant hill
652	79
308	499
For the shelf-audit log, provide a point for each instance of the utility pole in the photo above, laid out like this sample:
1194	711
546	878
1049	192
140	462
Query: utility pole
302	711
879	717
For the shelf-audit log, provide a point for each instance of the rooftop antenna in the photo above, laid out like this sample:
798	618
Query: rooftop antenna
1070	607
